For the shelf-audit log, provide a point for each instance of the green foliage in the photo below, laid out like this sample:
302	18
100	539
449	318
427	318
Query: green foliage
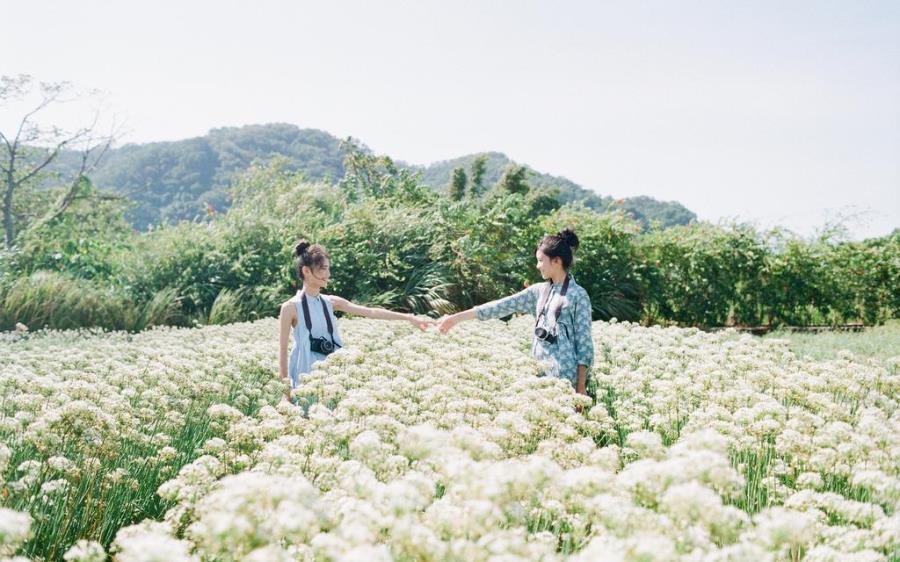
488	169
396	243
163	309
84	242
381	255
796	286
229	307
247	249
543	201
479	167
369	176
488	247
458	184
514	180
56	301
174	181
868	275
702	274
184	258
653	214
169	182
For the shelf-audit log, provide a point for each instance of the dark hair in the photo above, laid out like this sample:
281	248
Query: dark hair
310	255
561	245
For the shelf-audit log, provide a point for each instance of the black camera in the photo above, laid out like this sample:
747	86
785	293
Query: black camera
543	334
321	346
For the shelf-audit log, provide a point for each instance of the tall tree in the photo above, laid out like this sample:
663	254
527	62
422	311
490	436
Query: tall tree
30	148
458	184
479	167
514	179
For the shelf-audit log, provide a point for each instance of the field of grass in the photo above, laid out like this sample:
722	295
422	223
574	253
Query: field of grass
879	342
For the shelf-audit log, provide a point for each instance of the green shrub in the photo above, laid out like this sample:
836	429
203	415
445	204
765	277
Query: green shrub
51	300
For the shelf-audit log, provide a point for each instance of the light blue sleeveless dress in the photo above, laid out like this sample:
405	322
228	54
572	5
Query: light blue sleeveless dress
302	359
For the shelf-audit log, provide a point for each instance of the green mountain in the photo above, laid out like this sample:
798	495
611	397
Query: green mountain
645	209
174	181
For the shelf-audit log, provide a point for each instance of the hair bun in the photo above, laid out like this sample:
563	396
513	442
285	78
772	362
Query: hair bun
569	237
301	248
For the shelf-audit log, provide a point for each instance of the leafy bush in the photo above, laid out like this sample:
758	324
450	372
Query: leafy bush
396	243
702	274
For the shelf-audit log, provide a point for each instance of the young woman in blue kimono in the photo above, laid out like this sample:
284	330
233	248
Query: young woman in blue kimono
309	316
562	309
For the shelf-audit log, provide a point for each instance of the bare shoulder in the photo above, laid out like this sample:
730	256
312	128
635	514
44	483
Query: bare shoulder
288	308
338	303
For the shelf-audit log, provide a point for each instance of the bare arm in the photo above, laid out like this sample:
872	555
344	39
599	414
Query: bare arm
447	322
285	323
581	383
522	302
344	305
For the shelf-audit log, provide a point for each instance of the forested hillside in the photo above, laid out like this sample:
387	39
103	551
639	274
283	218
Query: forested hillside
181	180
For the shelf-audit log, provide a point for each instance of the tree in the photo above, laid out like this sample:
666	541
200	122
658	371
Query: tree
378	177
458	184
514	180
479	166
31	148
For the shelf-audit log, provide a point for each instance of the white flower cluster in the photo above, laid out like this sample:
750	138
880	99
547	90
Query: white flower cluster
702	447
419	446
87	418
15	529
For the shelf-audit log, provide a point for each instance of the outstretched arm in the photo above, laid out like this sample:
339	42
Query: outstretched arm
447	322
522	302
344	305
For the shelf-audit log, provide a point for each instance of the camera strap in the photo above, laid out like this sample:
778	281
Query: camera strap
545	296
308	321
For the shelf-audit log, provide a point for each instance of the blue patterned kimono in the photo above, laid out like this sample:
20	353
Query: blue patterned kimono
574	346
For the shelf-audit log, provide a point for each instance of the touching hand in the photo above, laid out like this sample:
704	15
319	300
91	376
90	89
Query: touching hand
446	323
421	323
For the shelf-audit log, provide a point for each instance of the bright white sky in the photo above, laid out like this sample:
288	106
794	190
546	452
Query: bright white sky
768	111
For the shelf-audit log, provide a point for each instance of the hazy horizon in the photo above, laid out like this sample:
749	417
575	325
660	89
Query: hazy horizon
768	113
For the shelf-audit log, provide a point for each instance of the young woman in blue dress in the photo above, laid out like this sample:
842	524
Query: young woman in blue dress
309	316
562	309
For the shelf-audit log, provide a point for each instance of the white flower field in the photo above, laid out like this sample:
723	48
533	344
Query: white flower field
173	445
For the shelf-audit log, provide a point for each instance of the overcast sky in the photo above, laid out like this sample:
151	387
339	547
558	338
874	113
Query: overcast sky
775	112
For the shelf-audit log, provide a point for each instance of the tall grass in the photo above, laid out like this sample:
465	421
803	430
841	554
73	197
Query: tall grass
50	300
163	309
60	302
